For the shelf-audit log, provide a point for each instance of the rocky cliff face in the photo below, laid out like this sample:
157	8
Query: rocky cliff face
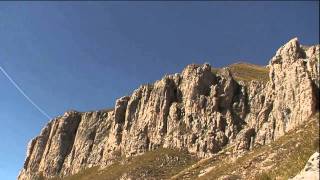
197	110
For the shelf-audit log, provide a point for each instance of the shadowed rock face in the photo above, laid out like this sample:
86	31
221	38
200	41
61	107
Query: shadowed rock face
196	110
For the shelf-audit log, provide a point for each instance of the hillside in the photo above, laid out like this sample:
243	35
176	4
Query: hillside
236	121
246	72
281	159
158	164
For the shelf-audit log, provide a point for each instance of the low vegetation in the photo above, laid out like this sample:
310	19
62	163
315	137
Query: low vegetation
158	164
247	72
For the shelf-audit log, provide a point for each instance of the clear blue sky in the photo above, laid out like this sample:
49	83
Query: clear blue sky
84	55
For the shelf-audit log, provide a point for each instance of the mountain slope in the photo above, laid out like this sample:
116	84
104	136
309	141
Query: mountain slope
281	159
158	164
198	111
246	72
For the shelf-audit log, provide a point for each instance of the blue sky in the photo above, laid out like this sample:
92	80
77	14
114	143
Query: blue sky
84	55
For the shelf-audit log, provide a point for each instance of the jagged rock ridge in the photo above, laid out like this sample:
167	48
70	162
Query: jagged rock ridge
197	110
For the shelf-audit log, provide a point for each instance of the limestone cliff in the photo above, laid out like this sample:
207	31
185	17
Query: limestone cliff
199	110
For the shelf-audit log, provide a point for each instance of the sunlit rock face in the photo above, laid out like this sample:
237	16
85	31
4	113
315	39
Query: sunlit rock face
196	110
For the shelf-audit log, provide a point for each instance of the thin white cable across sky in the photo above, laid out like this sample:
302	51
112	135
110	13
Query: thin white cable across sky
24	94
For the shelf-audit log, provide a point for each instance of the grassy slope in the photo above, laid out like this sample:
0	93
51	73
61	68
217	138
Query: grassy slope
281	159
157	164
247	72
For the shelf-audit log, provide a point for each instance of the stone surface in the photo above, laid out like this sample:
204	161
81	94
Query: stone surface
196	110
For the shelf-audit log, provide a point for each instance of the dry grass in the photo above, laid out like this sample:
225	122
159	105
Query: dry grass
158	164
247	72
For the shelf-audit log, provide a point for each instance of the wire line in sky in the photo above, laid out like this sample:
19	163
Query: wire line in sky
24	94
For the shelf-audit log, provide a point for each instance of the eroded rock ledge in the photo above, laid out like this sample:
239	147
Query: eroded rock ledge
196	110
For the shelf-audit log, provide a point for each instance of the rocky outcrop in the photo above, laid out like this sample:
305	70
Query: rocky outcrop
289	98
311	170
197	110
